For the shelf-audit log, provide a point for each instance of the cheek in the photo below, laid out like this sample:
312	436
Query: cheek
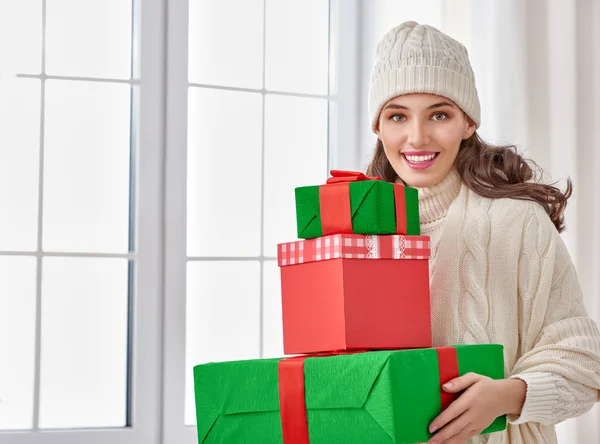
450	140
391	138
390	147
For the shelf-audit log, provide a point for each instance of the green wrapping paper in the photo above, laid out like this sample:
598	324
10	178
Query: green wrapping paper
381	397
372	210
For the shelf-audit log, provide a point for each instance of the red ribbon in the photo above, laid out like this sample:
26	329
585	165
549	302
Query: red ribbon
292	401
292	404
334	201
338	176
400	204
448	367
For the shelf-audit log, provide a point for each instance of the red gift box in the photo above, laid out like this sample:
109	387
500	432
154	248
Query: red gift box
355	292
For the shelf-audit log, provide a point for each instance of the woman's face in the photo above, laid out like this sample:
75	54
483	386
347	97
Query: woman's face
421	135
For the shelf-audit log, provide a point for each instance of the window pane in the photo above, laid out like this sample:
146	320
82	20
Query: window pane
17	341
19	163
223	317
295	155
21	22
84	343
224	173
86	167
297	46
226	42
89	38
272	314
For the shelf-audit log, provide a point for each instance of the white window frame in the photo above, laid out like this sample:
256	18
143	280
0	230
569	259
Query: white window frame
145	389
345	23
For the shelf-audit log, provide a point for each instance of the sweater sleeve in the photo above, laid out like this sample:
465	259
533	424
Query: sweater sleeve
561	348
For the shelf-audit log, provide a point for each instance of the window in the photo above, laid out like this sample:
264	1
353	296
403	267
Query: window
260	102
257	127
79	221
65	230
142	205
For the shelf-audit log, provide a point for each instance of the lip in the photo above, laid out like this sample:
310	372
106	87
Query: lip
420	165
420	153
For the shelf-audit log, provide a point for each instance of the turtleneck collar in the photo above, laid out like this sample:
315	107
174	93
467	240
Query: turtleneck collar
435	201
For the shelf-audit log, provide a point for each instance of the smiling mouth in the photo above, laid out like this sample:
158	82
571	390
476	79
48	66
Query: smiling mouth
420	158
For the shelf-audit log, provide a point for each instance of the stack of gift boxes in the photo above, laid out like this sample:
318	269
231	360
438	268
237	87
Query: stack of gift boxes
356	328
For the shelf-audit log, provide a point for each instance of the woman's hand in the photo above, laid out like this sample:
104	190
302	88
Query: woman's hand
484	399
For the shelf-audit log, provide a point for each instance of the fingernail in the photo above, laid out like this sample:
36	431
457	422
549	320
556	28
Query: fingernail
448	385
433	429
434	442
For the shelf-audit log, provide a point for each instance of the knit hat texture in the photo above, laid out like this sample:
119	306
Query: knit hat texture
414	58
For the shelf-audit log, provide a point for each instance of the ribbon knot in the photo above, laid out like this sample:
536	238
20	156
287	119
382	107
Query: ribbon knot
340	176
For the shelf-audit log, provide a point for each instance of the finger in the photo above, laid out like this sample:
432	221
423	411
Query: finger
467	433
461	383
452	430
453	411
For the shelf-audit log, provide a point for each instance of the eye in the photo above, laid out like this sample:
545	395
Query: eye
398	117
440	116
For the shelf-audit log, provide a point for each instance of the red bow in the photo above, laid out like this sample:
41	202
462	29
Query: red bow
348	176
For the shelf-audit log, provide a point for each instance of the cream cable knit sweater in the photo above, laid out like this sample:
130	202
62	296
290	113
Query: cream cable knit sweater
500	273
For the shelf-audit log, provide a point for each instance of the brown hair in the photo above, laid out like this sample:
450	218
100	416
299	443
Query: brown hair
494	172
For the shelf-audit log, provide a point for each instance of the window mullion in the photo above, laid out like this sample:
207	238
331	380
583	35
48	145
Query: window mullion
175	212
344	85
40	216
148	126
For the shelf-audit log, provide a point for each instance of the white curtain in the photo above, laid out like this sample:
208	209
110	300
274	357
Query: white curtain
537	65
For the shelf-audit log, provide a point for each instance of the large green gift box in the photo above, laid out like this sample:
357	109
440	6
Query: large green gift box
378	397
351	202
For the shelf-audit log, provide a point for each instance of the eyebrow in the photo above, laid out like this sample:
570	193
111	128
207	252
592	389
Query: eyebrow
435	105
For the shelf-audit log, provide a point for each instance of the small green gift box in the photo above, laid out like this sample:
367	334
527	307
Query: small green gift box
351	202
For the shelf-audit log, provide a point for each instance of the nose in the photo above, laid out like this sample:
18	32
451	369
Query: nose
417	135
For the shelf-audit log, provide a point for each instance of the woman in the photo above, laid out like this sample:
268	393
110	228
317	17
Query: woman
500	272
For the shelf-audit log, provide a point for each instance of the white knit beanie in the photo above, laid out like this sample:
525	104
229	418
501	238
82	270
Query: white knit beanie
414	58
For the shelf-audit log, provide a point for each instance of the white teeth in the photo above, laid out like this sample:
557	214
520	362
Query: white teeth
416	159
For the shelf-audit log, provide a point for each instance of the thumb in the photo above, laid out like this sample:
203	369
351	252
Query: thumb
461	383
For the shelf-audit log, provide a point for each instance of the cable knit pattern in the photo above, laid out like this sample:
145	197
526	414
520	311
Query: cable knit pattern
501	273
415	43
473	278
433	207
580	399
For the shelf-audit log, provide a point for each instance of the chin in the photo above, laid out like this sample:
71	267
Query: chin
421	184
413	180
